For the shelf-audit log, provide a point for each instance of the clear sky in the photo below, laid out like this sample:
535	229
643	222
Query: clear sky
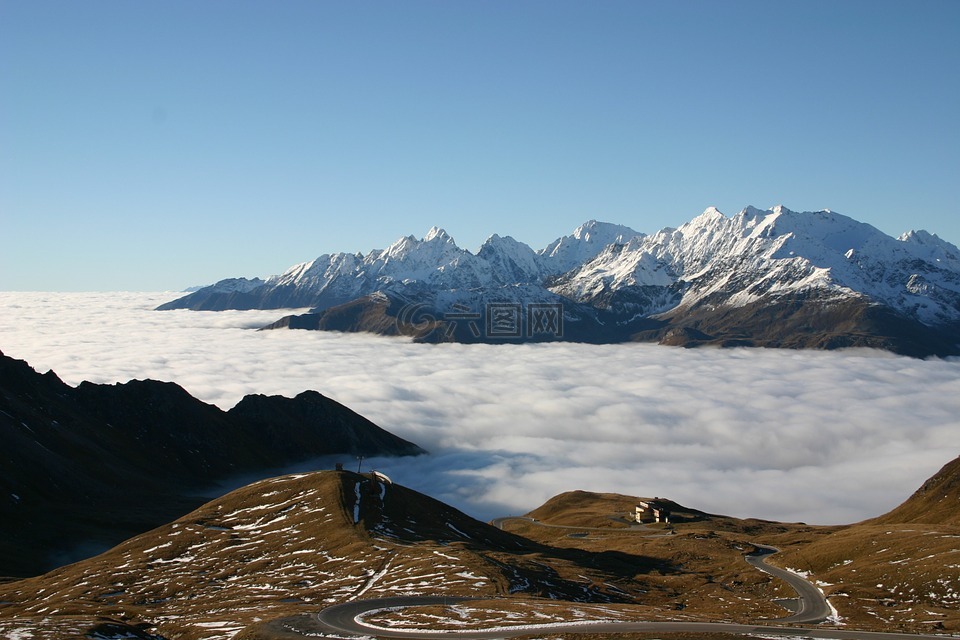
157	145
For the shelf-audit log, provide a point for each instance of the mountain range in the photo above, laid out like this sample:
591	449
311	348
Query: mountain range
82	468
774	278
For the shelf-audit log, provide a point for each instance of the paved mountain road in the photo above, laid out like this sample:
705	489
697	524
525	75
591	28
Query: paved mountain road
346	618
342	619
813	605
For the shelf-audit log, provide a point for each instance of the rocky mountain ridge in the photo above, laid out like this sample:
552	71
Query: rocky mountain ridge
409	265
774	278
85	467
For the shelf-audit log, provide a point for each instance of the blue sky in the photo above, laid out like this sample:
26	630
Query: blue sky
156	145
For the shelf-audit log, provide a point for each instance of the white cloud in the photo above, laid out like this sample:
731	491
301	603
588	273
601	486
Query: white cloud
787	435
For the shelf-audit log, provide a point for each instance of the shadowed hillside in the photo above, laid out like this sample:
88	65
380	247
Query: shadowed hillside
85	467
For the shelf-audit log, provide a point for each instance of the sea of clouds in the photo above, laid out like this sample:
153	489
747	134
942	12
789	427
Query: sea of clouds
819	437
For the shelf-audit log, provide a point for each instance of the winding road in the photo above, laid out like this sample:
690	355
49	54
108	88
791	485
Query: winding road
347	618
813	605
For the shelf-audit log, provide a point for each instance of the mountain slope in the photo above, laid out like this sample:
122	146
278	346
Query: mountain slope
802	320
85	467
900	571
263	559
526	313
289	545
902	565
774	278
937	501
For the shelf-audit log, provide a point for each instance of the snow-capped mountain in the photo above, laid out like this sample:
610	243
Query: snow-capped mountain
774	277
763	254
588	240
409	266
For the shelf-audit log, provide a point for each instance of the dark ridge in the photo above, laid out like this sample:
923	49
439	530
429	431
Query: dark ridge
805	321
388	314
82	468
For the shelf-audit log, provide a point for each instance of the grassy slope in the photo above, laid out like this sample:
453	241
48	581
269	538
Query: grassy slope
901	569
289	545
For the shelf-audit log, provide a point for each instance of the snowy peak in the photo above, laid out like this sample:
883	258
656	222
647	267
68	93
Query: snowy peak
931	245
438	234
584	244
920	236
603	233
401	247
241	285
436	248
820	236
710	214
511	261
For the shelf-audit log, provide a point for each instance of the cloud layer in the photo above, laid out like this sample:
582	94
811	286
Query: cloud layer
800	436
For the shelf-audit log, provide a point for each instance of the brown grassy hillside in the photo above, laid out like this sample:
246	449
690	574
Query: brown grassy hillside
288	546
902	569
291	545
936	502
